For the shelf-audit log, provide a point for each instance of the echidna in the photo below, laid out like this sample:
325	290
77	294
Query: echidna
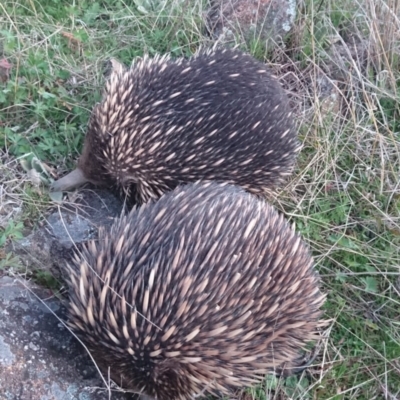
206	289
218	116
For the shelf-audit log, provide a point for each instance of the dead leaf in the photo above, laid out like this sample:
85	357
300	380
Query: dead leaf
5	67
73	43
117	67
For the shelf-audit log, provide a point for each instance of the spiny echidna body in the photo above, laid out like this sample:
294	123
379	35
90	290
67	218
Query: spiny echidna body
207	289
218	116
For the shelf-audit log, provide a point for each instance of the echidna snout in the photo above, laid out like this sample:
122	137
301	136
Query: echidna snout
68	182
218	116
207	289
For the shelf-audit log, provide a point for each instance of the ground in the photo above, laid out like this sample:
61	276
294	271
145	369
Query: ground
340	65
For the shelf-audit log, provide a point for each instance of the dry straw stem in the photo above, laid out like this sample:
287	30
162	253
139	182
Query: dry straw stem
11	187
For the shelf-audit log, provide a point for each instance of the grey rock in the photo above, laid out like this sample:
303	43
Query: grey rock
39	358
6	356
51	245
265	20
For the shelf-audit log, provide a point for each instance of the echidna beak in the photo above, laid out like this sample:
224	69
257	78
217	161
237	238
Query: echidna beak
69	182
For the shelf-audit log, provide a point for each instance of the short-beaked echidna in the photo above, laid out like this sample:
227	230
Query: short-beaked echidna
218	116
207	289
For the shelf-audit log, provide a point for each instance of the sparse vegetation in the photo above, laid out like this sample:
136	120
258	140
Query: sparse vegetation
341	67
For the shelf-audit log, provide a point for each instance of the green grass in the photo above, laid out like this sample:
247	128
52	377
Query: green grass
344	195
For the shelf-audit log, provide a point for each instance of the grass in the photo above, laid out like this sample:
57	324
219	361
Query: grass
341	68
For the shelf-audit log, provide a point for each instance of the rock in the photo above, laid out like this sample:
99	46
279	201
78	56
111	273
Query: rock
265	20
328	95
50	246
39	358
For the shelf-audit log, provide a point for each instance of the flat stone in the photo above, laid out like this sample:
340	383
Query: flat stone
51	245
39	358
265	20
